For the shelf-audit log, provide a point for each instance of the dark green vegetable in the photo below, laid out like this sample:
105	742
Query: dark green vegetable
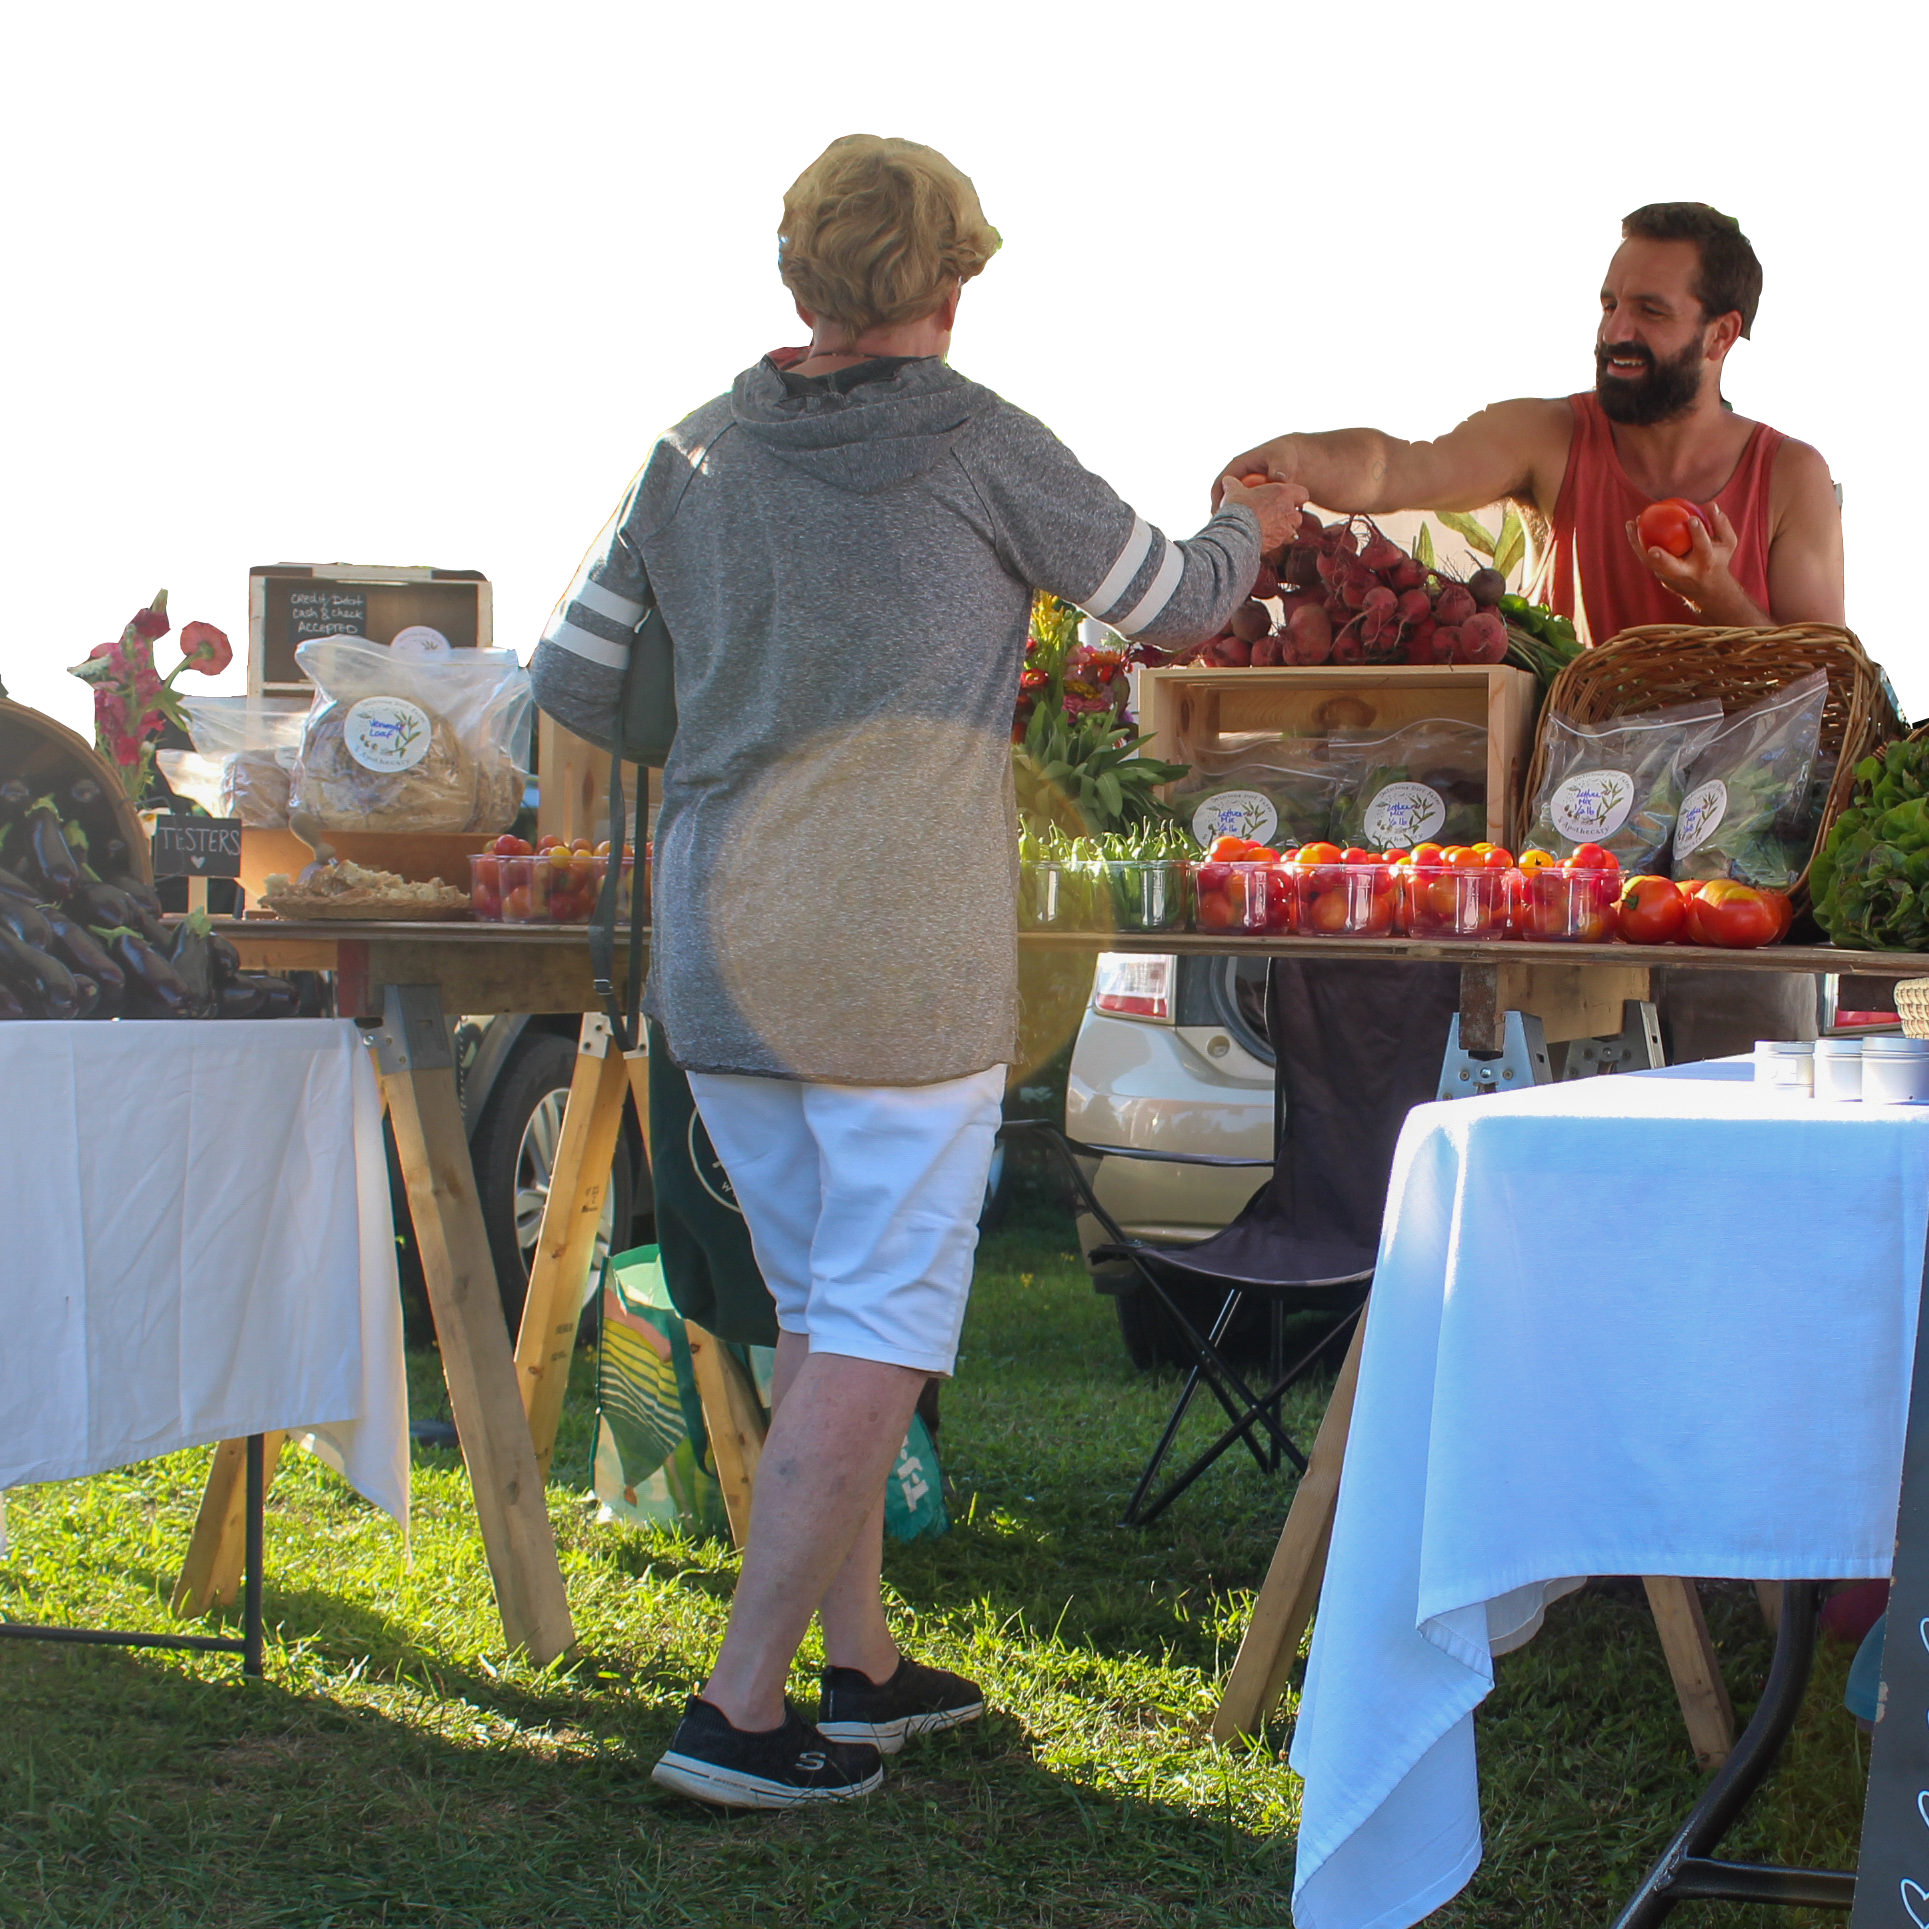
1871	882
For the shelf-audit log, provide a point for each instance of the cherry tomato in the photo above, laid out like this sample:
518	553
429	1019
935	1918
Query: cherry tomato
1536	860
1228	850
603	849
1215	910
1669	524
1495	859
546	844
1212	876
1653	911
581	845
1734	916
1354	855
1331	913
507	846
1591	857
1260	854
1318	854
1396	857
1426	853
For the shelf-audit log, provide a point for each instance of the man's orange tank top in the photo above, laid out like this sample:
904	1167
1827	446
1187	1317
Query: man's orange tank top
1591	573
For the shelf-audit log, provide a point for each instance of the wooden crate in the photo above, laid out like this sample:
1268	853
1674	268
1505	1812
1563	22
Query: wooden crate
291	602
415	855
1200	708
50	757
573	785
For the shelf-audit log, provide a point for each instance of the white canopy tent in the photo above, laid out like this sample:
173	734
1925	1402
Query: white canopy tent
454	201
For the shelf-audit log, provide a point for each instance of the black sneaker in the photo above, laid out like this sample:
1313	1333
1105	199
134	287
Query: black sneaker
785	1767
915	1701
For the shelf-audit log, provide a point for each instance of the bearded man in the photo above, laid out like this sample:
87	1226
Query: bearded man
1681	290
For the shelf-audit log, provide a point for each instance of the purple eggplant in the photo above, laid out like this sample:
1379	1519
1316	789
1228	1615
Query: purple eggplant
227	960
89	995
284	999
154	987
10	1006
51	858
42	984
85	794
245	998
77	948
144	895
104	907
194	963
14	885
27	922
15	795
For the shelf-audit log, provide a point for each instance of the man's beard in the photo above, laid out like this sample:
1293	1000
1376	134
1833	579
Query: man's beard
1668	388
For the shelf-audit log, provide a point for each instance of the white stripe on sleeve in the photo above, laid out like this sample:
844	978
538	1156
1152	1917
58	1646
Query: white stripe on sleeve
597	649
1119	578
1158	596
606	602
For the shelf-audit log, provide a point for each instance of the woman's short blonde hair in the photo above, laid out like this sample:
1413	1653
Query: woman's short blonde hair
875	231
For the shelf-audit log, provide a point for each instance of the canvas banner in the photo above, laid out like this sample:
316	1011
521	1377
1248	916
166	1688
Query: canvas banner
1183	340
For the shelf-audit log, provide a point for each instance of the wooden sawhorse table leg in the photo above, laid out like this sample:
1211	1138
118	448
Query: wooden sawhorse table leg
417	1064
211	1574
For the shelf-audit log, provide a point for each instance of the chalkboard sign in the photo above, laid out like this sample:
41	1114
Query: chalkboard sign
320	609
197	847
1892	1876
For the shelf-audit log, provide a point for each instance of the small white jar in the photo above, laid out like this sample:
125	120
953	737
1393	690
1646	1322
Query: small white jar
1895	1071
1838	1068
1786	1066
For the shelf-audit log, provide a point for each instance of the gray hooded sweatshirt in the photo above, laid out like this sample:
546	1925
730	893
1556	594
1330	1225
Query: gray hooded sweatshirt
846	566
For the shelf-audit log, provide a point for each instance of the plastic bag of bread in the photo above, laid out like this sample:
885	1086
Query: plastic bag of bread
249	743
412	743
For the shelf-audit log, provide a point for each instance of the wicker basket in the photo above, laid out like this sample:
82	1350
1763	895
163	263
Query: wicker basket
47	754
1667	663
1912	1006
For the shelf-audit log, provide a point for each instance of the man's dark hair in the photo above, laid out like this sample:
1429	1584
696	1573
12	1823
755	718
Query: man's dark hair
1730	278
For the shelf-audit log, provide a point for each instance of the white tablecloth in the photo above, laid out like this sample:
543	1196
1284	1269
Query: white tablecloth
1657	1324
196	1244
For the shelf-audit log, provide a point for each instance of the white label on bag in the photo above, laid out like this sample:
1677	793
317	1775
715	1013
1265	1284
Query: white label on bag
1592	805
419	640
387	734
1235	813
1403	815
1701	813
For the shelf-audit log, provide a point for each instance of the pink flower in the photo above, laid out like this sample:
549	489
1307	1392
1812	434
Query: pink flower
126	750
206	649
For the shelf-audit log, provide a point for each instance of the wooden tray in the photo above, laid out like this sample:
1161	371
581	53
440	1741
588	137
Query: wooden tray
364	910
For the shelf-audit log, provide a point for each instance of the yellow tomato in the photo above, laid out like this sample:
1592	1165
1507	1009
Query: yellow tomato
1536	860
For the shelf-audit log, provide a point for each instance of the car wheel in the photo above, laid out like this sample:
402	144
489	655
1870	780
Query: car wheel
514	1152
998	1185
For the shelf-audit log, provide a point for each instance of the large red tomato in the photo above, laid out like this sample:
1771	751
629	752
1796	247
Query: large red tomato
1734	916
1669	525
1653	911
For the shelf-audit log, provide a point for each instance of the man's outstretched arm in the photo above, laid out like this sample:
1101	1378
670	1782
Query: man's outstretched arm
1509	449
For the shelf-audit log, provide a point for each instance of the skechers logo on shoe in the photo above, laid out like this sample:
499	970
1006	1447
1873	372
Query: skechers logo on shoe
813	1760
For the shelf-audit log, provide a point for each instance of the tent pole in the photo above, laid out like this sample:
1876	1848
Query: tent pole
438	313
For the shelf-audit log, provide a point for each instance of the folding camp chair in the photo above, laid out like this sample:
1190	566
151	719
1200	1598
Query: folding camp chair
1357	1043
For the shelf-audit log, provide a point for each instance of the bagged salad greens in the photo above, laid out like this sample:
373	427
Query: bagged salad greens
1273	790
1425	783
1746	809
1619	783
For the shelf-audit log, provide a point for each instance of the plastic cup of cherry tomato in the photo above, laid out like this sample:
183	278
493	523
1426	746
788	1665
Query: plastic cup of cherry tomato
1344	900
1244	898
1453	902
1560	905
485	888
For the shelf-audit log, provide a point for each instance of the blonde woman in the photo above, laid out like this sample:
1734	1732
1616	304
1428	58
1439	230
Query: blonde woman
845	548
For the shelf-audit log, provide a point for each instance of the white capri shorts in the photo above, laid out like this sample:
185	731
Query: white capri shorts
862	1203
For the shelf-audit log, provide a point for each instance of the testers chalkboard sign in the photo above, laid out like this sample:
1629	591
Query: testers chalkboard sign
197	847
1892	1873
291	603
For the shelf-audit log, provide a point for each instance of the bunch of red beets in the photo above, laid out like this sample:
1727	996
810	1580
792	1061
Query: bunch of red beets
1353	598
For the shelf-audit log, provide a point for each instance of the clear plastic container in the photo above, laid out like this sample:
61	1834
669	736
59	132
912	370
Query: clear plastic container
1440	902
1057	897
1554	906
1346	900
554	887
1251	900
1148	894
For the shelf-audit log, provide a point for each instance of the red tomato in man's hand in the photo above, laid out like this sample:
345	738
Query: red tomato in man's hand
1734	916
1653	911
1669	525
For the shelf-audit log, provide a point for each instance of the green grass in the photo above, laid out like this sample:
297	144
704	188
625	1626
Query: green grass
396	1768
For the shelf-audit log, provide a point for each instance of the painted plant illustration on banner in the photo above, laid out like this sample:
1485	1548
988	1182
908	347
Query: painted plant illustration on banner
1189	338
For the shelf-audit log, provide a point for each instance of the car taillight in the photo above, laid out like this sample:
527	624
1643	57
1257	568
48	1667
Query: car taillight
1131	984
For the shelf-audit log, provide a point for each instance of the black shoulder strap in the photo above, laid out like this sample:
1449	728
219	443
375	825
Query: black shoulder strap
625	1011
